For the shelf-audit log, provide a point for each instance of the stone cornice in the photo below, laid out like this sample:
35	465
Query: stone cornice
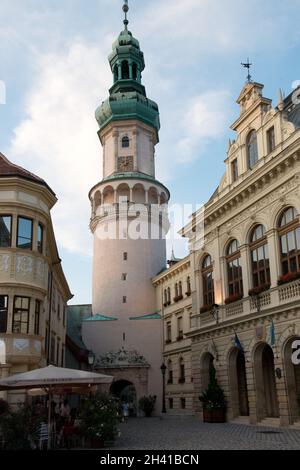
171	272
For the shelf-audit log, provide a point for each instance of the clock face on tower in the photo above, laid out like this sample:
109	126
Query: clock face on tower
125	164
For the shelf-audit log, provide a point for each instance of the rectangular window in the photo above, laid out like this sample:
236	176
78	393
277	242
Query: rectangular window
3	313
124	299
52	349
125	256
234	170
183	403
58	310
57	353
5	231
40	237
64	315
171	403
124	277
21	315
179	328
169	332
271	139
37	317
24	236
62	356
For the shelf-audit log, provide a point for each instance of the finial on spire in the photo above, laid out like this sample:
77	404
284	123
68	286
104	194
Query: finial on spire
280	100
126	9
247	65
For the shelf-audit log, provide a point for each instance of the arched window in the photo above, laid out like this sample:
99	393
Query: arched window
169	295
176	291
180	289
260	257
125	70
134	71
181	371
165	297
188	286
116	73
125	142
170	372
234	270
289	236
208	282
252	149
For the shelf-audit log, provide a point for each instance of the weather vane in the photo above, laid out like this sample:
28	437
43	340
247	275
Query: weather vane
248	66
126	9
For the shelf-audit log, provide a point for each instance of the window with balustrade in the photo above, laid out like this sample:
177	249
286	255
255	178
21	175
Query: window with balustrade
234	272
289	240
260	262
208	282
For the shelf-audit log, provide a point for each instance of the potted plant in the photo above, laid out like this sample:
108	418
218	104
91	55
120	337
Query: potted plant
214	401
205	308
233	298
147	405
99	420
289	277
258	290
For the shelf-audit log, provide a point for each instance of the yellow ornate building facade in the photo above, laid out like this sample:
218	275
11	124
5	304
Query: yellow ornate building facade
245	268
33	288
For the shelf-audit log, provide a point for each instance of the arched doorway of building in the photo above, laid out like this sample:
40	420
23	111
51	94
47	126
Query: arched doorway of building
126	392
207	362
238	383
266	392
292	376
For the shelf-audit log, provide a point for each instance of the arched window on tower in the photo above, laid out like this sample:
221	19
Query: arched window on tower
116	73
260	258
252	149
125	142
125	70
134	71
234	271
289	236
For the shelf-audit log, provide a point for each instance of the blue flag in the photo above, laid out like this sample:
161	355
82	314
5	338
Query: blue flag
272	334
238	344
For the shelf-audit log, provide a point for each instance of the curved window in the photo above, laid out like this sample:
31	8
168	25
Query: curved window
176	290
234	270
125	142
208	281
125	70
134	71
169	295
116	74
289	236
165	297
181	371
188	285
259	257
180	289
252	149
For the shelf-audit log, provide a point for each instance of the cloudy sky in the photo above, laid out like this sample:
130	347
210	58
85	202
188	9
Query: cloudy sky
53	61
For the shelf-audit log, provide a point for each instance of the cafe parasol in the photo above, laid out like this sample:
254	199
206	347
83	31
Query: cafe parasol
51	379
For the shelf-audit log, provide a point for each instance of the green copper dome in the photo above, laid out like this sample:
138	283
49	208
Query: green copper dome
127	97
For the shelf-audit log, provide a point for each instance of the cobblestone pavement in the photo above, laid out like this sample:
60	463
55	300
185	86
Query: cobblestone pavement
191	434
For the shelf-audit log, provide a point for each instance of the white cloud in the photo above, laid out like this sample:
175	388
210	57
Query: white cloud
206	119
58	137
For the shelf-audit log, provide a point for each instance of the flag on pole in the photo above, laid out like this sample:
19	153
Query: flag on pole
238	344
272	334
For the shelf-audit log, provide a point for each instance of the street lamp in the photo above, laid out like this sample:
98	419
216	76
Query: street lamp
91	359
163	369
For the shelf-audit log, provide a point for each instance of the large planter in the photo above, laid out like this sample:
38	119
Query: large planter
214	416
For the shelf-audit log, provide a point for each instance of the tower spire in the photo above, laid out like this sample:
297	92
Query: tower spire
126	9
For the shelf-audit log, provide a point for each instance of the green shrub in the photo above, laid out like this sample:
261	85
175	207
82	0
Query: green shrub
213	398
147	405
99	418
20	428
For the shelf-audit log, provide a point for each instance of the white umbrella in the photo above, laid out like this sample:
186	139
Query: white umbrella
50	378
